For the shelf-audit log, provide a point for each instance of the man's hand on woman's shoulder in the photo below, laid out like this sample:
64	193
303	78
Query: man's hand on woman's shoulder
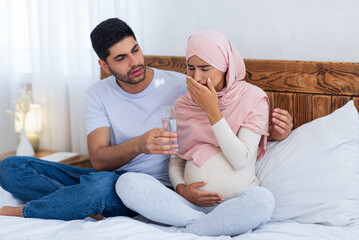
282	124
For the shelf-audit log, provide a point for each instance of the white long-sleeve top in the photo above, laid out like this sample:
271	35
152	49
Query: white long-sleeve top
228	172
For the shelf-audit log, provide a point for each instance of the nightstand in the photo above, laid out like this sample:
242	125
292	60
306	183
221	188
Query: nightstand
78	161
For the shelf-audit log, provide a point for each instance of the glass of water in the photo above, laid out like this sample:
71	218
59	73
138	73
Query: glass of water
169	123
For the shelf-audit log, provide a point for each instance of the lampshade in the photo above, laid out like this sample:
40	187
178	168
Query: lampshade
33	120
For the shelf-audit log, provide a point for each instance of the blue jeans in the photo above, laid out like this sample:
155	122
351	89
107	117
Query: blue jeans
57	191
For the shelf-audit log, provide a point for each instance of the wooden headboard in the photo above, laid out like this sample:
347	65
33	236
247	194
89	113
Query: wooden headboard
306	89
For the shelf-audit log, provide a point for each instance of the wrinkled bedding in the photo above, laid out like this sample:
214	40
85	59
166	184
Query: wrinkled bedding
127	228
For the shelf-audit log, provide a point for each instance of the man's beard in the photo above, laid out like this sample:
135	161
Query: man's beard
127	78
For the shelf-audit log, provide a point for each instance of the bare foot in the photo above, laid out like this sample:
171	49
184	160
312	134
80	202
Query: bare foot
11	211
97	217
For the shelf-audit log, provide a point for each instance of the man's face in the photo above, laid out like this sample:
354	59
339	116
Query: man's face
126	61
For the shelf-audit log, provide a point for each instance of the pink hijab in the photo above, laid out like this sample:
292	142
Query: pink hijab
237	101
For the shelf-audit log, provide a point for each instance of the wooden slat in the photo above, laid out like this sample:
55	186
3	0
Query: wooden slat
177	64
339	101
321	105
304	76
331	78
271	105
286	76
302	109
356	102
284	101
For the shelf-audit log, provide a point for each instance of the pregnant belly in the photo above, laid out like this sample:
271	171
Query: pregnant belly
220	176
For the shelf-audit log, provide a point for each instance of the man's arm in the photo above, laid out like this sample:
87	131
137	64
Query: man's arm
108	158
282	125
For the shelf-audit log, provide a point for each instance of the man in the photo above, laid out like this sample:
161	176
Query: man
123	126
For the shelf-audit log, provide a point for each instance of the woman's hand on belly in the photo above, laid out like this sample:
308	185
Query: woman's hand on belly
198	197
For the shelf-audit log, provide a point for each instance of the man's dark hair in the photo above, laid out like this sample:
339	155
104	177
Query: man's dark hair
107	34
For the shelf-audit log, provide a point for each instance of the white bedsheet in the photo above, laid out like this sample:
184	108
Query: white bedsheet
127	228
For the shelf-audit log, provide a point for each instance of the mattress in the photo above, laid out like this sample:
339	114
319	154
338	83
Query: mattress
140	228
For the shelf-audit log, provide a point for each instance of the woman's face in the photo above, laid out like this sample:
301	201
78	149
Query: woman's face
200	71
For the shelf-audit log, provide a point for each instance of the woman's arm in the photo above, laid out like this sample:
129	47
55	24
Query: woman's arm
176	170
238	149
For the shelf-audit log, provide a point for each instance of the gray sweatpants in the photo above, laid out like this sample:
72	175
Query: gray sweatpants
145	195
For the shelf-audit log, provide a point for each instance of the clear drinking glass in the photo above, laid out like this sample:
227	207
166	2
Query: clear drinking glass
169	123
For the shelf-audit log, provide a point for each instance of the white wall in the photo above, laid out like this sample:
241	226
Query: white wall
319	30
8	140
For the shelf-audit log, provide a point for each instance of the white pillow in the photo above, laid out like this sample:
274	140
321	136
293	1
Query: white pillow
314	172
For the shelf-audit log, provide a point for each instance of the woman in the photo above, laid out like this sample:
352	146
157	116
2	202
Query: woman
222	127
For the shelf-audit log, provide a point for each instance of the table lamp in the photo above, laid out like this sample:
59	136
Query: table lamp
33	124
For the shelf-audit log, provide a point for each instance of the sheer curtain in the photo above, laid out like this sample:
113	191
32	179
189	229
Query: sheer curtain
46	43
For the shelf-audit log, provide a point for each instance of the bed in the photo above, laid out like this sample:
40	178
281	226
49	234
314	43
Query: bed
313	174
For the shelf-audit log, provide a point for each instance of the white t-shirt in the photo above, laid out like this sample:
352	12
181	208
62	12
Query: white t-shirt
131	115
